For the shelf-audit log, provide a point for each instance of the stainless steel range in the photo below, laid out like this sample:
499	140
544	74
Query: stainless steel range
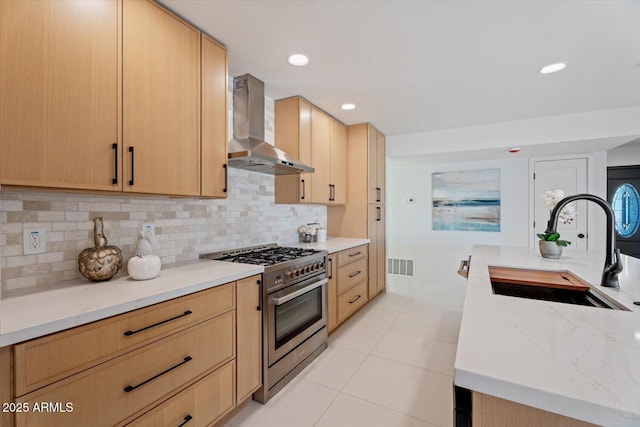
294	324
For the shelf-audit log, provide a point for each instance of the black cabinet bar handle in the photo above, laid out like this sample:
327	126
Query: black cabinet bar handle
355	299
131	180
185	421
379	191
352	275
115	158
186	313
355	254
303	189
333	198
330	192
379	213
226	178
259	307
130	388
330	268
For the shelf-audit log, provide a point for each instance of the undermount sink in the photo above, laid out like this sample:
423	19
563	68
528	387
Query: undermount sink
555	286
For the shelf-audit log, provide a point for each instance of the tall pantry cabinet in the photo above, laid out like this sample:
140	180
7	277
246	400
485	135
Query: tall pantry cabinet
364	214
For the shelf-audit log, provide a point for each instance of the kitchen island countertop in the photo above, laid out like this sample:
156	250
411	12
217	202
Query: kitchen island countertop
333	244
577	361
79	301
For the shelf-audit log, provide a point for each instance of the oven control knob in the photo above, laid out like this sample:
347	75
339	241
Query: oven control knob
321	264
306	269
289	274
297	273
316	266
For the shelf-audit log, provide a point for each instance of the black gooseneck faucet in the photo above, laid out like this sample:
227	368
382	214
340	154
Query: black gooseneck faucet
612	262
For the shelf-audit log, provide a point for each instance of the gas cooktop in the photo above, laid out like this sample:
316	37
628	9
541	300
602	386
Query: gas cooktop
261	255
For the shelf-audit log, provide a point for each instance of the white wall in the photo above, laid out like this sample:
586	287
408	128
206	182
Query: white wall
624	156
438	253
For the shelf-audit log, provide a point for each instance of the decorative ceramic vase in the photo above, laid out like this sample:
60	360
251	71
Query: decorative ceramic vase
549	249
101	262
306	238
144	265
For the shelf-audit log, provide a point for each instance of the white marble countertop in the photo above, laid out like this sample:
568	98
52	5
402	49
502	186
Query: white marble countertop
79	302
581	362
333	244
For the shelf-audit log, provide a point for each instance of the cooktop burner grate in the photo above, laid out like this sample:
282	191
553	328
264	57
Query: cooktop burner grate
269	256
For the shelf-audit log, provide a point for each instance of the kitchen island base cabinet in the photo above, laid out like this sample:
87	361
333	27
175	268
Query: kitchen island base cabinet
490	411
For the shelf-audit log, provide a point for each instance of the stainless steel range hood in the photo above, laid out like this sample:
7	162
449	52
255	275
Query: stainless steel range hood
248	149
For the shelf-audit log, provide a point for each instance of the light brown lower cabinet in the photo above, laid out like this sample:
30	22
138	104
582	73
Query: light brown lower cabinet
208	399
347	289
249	357
196	366
111	392
491	411
6	379
332	292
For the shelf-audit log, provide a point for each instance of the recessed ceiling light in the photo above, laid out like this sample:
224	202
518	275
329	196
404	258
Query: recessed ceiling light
514	150
298	60
348	106
552	68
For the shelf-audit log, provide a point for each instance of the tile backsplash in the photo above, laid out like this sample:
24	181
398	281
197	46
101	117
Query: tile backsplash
184	227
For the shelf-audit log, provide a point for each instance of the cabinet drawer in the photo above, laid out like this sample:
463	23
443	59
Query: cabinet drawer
351	274
42	361
198	405
353	254
111	392
351	300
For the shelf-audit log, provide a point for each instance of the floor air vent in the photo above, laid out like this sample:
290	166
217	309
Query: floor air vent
401	267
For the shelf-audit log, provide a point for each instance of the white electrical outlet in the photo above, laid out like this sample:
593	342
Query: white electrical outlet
149	229
34	241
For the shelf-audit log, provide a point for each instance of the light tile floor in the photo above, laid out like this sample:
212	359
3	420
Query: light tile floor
391	365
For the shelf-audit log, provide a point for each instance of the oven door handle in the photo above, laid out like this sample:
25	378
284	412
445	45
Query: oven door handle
296	294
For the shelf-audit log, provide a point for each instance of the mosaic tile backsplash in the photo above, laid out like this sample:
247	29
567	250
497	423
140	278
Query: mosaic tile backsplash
184	227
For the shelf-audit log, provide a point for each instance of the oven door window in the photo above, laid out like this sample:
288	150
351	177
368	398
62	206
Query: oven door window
296	315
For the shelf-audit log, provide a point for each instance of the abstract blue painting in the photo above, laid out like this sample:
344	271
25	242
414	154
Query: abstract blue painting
466	200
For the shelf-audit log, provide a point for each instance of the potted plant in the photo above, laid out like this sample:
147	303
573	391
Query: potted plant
550	244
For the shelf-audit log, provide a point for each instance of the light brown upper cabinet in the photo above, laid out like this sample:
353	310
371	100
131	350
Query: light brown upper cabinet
106	95
316	139
321	189
59	94
293	135
376	152
214	119
161	101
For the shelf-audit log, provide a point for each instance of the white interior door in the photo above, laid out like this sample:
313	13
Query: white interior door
570	176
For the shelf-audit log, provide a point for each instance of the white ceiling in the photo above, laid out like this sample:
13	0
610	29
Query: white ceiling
416	66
